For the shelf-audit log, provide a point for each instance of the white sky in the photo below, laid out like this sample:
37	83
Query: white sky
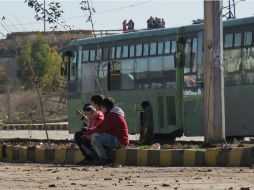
110	14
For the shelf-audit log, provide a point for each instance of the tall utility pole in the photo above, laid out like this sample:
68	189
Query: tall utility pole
44	16
230	14
214	108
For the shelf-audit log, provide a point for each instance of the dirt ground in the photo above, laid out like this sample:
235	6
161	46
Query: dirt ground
25	107
35	176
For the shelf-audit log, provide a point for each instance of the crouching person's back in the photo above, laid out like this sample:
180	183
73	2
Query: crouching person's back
113	133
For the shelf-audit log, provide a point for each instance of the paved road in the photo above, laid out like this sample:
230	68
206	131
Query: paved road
34	176
61	135
35	134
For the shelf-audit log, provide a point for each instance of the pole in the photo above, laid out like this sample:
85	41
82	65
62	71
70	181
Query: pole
229	10
234	16
44	16
214	111
8	93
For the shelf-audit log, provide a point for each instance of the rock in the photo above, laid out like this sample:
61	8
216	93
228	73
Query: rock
244	188
107	178
73	184
52	185
165	185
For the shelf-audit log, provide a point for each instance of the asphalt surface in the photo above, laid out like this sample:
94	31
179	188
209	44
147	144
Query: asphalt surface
62	135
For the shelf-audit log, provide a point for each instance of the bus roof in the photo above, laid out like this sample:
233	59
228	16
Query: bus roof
156	32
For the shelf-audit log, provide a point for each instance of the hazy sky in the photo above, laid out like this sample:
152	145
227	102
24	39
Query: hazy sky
110	14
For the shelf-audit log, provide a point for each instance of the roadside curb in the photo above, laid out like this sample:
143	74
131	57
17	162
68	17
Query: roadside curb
216	157
33	127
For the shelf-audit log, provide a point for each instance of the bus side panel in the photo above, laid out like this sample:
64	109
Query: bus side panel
74	122
193	116
163	104
158	98
239	105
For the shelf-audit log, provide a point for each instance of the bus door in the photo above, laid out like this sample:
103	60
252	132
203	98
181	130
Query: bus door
71	68
192	86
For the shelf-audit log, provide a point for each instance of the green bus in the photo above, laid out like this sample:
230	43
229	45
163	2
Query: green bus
164	67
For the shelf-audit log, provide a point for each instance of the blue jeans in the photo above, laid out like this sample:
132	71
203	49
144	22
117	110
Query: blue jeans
101	141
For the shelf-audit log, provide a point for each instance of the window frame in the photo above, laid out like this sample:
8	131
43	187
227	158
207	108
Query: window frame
150	48
251	43
224	41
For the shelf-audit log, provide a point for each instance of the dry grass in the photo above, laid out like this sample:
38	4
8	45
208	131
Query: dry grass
25	107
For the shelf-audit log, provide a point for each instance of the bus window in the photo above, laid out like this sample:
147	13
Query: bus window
92	55
173	46
139	50
237	40
247	38
99	54
187	63
228	42
248	65
132	50
160	48
190	85
105	53
141	73
167	47
153	48
85	56
125	51
232	66
155	72
103	76
194	51
73	67
146	50
113	53
118	52
115	77
127	74
168	70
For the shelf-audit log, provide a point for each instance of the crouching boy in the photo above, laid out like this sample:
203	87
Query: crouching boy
112	134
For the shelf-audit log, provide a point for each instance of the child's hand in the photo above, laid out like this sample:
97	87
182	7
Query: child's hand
79	113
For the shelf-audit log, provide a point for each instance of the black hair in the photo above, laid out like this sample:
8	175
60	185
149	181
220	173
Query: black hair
97	99
90	109
86	105
145	104
108	103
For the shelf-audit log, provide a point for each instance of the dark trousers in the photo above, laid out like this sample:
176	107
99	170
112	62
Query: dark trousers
84	146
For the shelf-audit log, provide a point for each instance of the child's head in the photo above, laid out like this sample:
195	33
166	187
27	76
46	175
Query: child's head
96	101
86	105
90	112
106	105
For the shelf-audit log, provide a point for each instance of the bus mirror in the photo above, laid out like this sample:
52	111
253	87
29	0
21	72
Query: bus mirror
63	69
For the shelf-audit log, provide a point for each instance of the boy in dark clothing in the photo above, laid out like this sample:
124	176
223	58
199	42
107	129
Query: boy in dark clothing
112	134
78	135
